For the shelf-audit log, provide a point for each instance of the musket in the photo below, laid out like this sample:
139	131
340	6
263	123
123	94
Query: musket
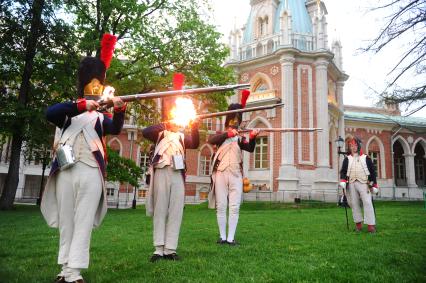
248	109
281	130
150	95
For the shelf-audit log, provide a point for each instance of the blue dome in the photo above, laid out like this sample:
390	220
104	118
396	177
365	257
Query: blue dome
301	21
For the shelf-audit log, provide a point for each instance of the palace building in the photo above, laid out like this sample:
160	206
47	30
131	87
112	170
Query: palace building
283	51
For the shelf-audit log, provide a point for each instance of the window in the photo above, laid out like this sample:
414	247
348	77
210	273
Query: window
205	165
204	193
399	164
141	193
110	192
144	160
115	146
208	124
375	157
263	26
205	161
400	168
420	169
260	86
261	153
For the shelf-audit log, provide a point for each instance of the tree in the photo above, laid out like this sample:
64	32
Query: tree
404	23
122	169
155	39
36	63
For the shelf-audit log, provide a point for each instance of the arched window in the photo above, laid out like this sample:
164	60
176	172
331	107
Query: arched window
259	86
115	145
399	164
263	26
374	153
419	164
248	53
259	50
270	46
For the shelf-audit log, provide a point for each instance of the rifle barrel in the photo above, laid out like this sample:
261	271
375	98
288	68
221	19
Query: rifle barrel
249	109
160	94
281	130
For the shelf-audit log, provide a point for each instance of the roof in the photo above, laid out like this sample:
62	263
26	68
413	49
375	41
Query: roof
386	119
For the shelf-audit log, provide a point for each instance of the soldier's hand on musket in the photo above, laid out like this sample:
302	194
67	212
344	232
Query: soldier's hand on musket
91	105
254	133
118	103
232	133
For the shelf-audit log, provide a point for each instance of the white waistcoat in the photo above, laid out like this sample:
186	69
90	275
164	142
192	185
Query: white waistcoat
85	124
357	169
167	147
229	155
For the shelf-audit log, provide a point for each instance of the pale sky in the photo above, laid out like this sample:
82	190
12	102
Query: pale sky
352	23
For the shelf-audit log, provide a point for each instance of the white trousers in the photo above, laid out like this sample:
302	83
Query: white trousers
169	200
228	188
358	192
78	192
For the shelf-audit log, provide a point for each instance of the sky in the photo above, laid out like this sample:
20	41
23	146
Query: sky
350	21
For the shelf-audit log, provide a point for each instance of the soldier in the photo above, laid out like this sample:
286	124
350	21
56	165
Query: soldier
227	176
166	195
74	198
356	175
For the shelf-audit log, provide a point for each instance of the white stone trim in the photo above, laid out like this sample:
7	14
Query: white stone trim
382	155
422	143
287	116
261	76
246	155
119	142
403	142
301	68
138	156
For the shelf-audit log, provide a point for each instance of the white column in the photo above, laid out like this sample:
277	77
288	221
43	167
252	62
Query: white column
287	117
410	170
341	130
322	111
288	179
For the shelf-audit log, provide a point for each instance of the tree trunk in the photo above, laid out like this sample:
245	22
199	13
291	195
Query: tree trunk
9	190
11	184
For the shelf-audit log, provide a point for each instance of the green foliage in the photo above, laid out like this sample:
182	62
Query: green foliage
156	39
123	170
52	78
278	243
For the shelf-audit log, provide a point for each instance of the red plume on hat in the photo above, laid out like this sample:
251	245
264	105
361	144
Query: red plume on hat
178	81
244	96
107	48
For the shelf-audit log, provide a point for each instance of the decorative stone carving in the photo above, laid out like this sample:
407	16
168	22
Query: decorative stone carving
274	70
244	77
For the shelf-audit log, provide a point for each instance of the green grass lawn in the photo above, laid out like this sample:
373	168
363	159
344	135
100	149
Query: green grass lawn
279	243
